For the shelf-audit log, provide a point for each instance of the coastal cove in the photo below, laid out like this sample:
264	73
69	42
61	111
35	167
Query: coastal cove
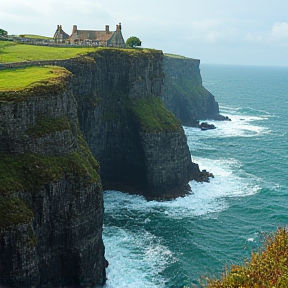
143	144
174	243
77	130
58	124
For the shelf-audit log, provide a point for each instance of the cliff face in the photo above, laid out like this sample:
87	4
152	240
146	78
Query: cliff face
184	94
141	146
51	207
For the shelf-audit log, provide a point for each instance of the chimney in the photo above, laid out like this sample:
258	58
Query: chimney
60	26
118	27
107	29
74	28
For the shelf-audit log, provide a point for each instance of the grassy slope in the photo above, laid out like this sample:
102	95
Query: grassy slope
19	84
14	52
31	36
18	79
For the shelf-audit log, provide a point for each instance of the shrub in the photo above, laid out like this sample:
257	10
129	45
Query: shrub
133	41
266	269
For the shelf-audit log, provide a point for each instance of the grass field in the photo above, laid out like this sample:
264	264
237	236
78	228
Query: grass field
15	52
18	79
37	37
175	56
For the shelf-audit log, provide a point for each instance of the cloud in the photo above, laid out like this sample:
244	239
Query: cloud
280	31
276	36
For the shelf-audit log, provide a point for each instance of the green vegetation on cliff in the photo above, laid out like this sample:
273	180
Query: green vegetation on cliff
176	56
29	171
15	52
13	211
137	52
184	94
18	79
190	88
46	125
154	117
266	269
17	84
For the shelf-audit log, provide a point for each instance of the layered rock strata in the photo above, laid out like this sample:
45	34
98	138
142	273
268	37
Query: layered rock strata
184	94
51	206
141	147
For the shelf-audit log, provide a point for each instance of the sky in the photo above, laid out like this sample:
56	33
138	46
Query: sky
241	32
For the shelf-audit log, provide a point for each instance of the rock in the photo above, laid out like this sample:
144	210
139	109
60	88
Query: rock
51	210
184	94
220	117
119	96
205	126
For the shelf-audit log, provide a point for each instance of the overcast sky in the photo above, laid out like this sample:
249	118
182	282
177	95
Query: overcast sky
253	32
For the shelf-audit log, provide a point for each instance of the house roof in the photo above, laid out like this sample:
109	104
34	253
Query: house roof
59	32
94	35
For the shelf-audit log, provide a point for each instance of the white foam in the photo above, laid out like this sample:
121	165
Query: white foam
135	259
240	125
207	198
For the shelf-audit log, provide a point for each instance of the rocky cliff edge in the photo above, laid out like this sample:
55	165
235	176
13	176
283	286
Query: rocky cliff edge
184	94
51	213
51	207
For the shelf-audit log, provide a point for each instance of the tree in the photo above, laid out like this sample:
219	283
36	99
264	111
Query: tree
133	42
3	32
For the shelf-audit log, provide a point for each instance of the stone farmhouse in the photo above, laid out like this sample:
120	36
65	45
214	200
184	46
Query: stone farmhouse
91	37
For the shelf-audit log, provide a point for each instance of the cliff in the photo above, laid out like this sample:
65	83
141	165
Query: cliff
184	94
109	107
51	207
141	147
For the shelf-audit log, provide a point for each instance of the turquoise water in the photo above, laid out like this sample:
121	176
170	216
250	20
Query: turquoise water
174	243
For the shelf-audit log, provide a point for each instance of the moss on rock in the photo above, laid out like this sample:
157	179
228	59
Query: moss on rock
47	125
154	117
13	211
29	171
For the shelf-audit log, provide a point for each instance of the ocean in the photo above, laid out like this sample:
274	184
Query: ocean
175	243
